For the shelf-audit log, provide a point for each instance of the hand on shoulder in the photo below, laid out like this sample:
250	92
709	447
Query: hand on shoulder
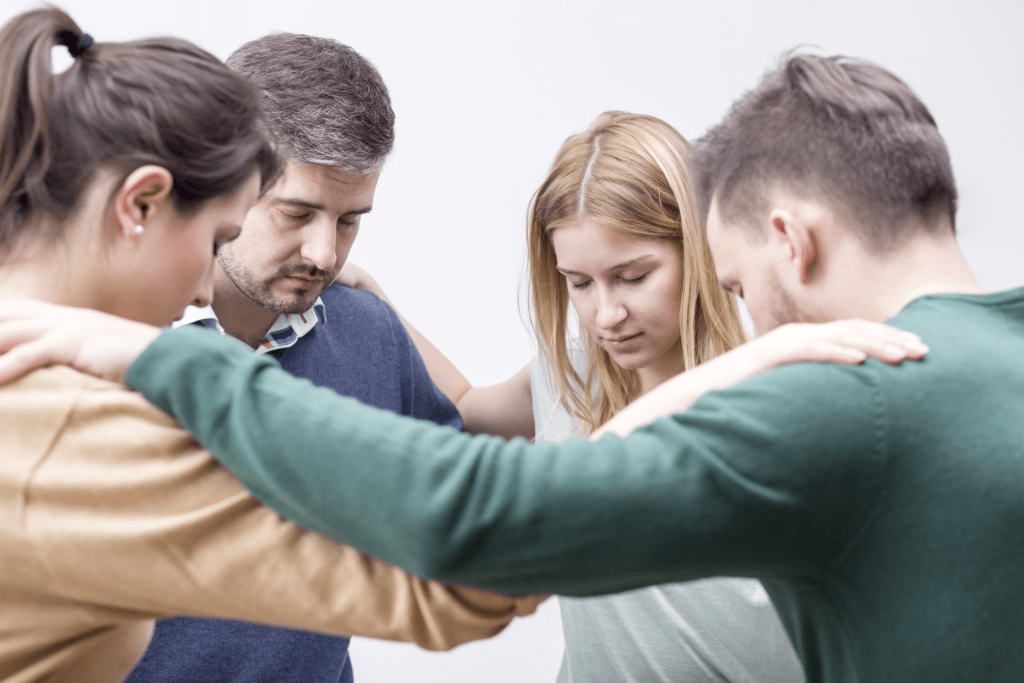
844	341
34	334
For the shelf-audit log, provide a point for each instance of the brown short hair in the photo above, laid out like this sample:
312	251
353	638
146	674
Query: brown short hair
119	106
326	103
836	129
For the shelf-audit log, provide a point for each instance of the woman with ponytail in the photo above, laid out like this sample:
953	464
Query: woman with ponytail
119	179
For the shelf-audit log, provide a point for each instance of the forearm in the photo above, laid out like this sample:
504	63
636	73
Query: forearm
504	409
679	393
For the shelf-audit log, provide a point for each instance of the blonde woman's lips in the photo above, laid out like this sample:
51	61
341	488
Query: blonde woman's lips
619	341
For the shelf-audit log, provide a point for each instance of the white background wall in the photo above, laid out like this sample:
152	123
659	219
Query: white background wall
486	92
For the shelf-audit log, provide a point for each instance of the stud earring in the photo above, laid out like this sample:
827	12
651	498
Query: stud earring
138	229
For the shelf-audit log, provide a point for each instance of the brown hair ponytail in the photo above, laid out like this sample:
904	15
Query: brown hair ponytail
26	89
119	106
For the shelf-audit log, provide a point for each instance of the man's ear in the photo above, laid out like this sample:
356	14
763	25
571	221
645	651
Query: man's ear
797	237
144	194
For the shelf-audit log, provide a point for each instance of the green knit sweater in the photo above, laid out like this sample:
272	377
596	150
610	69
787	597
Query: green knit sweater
883	507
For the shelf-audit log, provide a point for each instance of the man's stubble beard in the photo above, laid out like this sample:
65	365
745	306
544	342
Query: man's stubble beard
783	308
259	291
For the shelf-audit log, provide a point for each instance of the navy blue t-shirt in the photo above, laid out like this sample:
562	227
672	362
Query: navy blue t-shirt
364	352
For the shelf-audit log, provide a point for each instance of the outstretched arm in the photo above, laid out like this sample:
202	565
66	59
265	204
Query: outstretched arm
504	409
844	341
695	495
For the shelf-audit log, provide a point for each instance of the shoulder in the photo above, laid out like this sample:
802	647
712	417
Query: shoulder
810	385
808	418
359	318
357	322
68	421
805	402
356	305
818	431
804	449
58	378
61	385
103	413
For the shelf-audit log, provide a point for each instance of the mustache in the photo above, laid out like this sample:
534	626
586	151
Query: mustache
307	270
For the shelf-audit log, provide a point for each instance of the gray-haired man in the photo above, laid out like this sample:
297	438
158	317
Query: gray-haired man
331	113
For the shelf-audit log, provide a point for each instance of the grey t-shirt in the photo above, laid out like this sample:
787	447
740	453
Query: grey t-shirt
712	630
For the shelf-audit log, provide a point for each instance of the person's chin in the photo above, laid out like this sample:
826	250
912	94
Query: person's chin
293	305
300	302
633	359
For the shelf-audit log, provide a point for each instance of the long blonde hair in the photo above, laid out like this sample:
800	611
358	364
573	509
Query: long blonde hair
628	172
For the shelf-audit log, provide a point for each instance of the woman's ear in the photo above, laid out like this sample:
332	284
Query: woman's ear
144	194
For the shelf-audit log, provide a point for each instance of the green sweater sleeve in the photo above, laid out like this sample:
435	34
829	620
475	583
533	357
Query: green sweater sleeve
752	481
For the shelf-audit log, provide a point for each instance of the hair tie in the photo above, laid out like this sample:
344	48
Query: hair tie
80	46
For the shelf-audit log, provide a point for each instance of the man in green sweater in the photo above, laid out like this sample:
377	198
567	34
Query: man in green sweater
881	506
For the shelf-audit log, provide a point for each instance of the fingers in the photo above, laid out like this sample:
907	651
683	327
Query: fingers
22	339
350	275
843	341
23	359
27	343
18	331
882	342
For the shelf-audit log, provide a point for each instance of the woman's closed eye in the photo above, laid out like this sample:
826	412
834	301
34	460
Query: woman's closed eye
633	280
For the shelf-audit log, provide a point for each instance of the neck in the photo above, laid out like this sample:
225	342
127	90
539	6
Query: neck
50	273
240	316
877	287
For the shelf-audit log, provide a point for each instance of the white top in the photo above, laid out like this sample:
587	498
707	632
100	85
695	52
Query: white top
721	629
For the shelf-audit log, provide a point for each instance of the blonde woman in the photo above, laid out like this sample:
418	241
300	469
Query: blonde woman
614	231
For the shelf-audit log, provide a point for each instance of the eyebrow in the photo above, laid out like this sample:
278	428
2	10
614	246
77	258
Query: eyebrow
316	207
566	271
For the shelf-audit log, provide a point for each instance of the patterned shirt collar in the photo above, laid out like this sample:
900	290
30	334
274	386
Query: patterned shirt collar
285	331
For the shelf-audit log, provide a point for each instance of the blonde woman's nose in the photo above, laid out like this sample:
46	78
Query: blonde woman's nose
610	312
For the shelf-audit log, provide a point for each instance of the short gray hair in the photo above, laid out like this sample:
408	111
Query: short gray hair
325	102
